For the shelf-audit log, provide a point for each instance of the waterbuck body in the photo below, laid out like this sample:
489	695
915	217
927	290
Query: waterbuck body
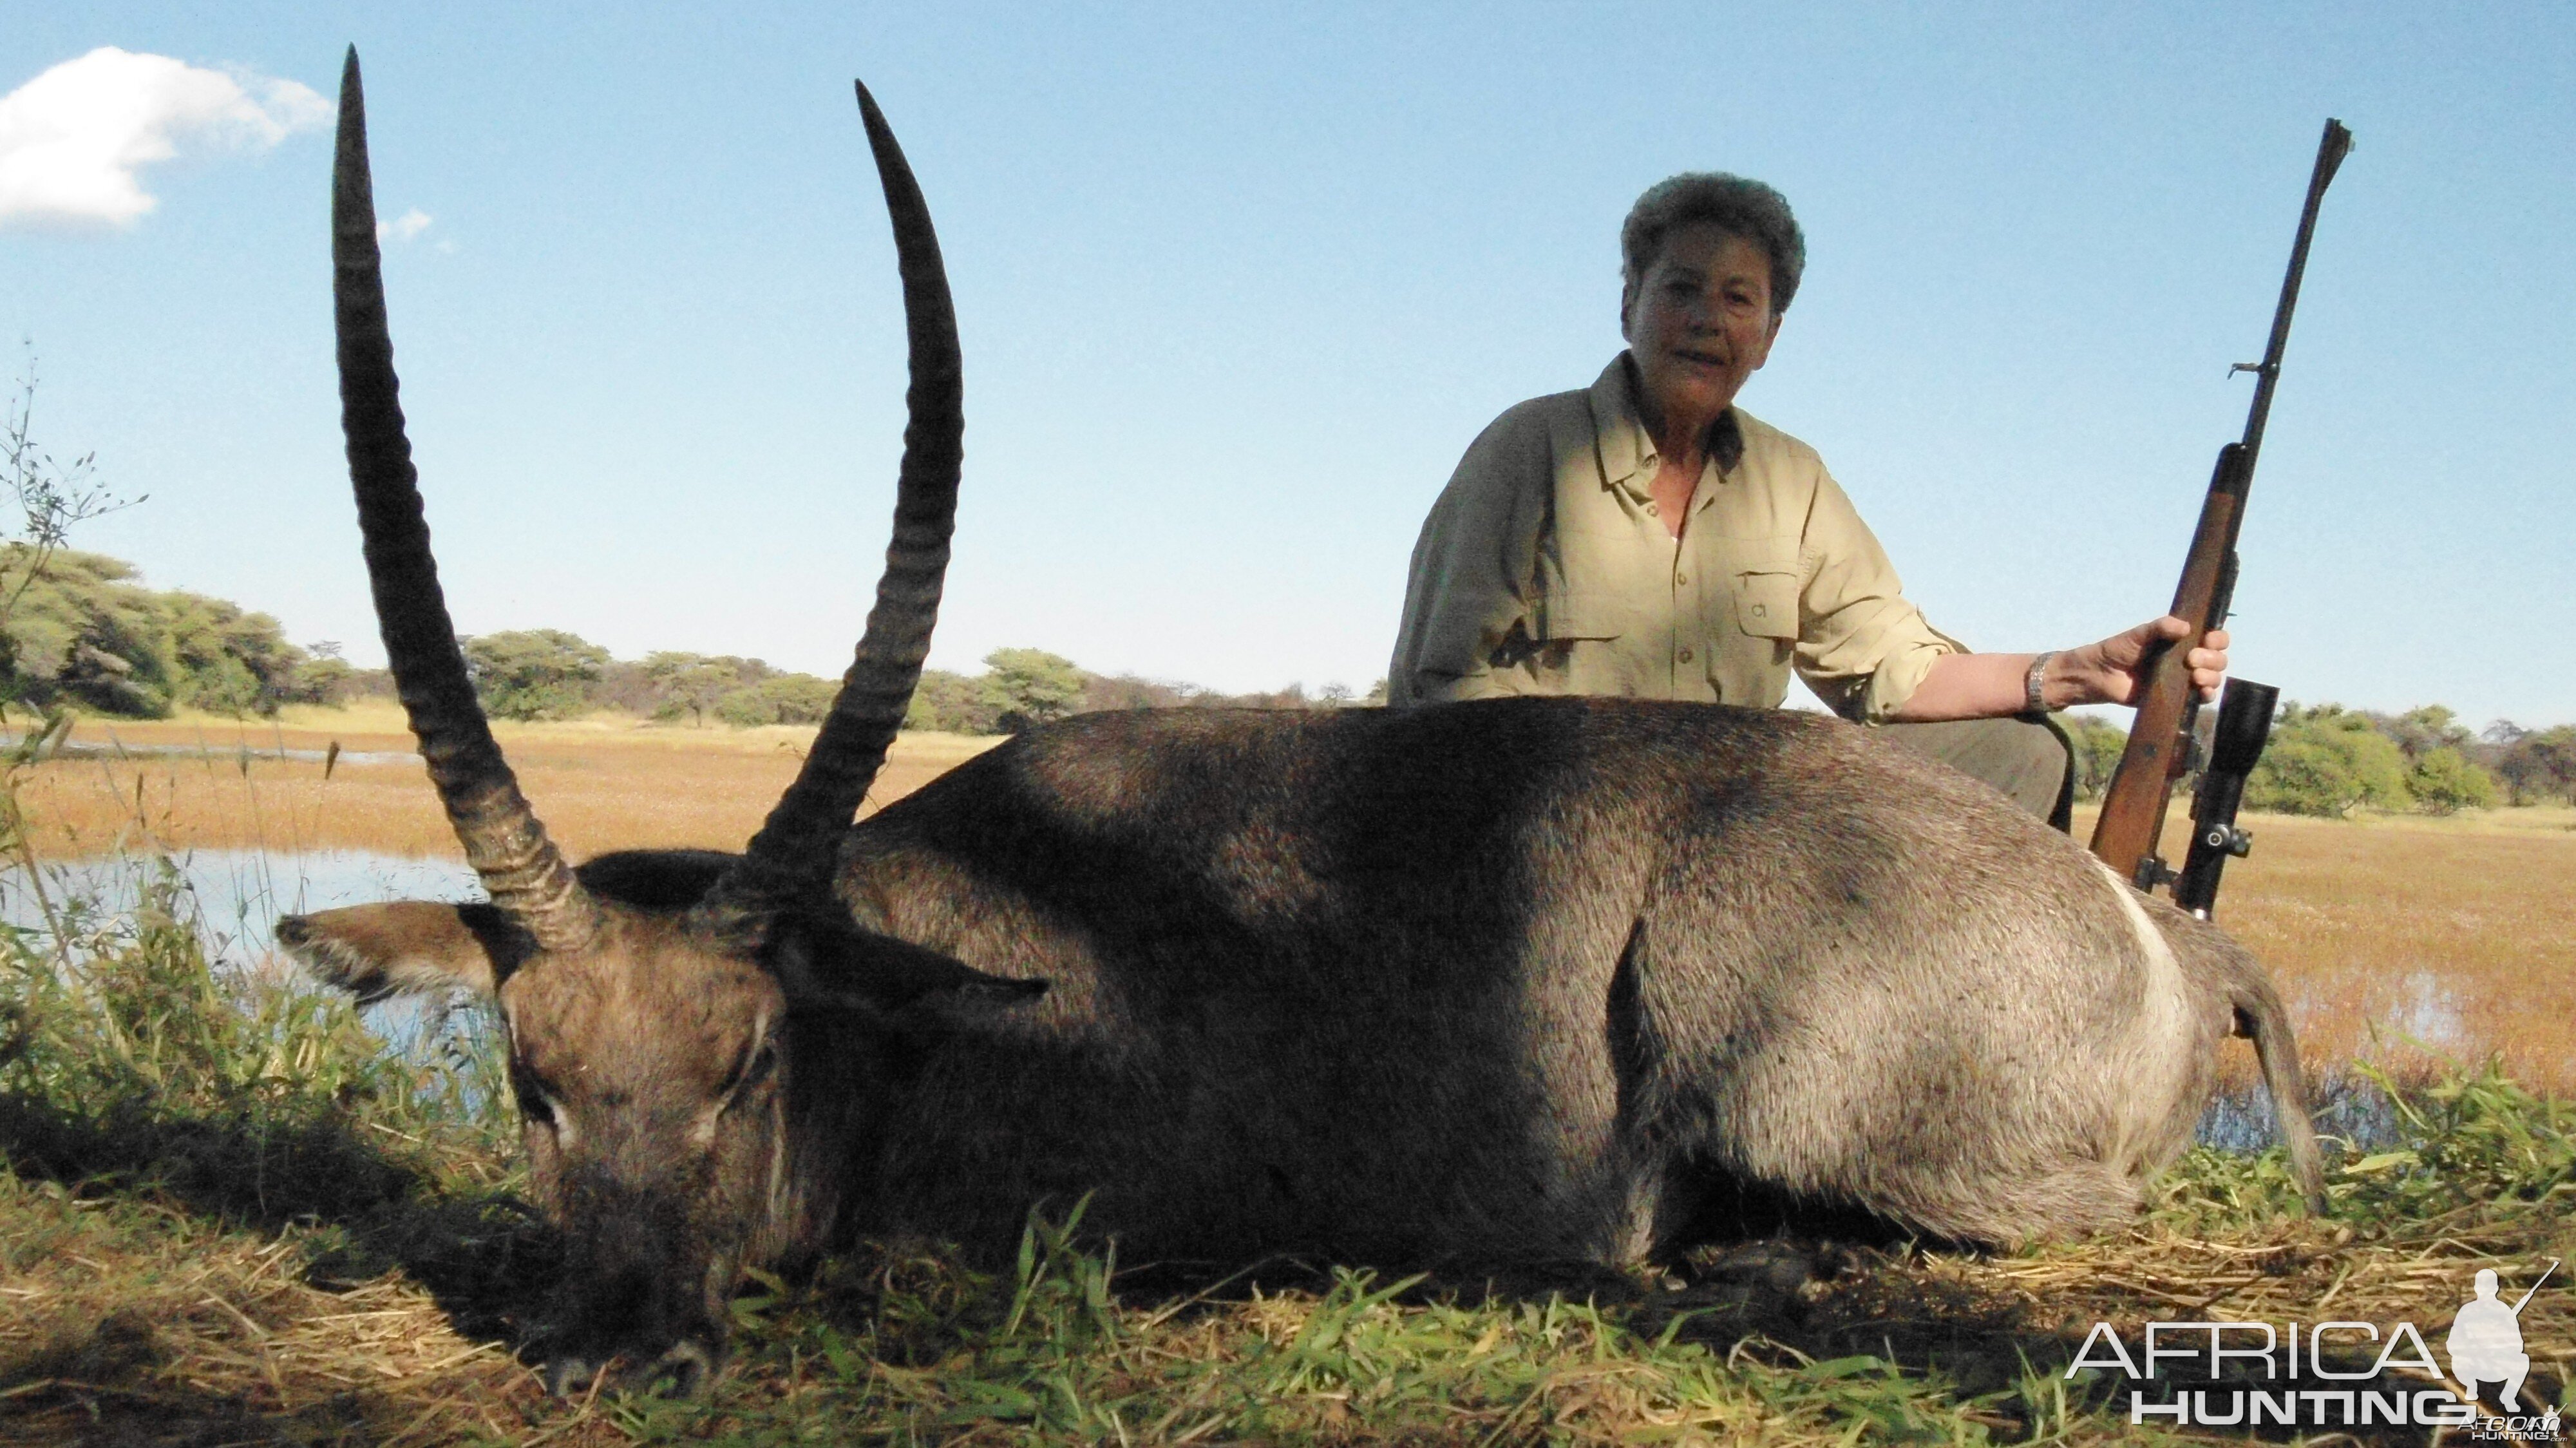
1525	979
1513	982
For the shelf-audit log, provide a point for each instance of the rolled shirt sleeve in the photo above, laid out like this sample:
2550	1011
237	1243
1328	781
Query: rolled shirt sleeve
1862	647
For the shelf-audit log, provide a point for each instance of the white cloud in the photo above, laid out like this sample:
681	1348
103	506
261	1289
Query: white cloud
404	227
73	139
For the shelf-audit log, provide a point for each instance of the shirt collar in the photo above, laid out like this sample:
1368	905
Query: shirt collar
1627	450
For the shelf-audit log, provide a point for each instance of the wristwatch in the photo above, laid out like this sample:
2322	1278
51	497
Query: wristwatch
2032	702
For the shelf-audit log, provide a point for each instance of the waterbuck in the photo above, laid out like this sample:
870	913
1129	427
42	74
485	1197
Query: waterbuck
1512	982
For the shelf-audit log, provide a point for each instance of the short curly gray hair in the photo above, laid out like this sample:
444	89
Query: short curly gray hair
1736	204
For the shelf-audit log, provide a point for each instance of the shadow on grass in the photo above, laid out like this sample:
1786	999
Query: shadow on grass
102	1385
484	1256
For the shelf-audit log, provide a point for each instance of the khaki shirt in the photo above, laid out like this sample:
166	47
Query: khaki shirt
1543	569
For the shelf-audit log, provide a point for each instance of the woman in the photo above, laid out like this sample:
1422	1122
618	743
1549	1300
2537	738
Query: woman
1645	537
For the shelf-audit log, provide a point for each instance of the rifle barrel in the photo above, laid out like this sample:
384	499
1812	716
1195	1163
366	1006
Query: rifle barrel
2133	809
2332	147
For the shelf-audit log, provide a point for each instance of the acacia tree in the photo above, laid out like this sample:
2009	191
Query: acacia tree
1029	686
693	682
539	673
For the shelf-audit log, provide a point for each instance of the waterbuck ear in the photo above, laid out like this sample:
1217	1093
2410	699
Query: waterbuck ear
373	951
848	969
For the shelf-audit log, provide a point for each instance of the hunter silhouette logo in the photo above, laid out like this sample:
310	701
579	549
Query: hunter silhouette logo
2486	1340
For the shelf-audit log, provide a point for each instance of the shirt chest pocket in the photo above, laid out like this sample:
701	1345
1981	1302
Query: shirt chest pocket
1761	579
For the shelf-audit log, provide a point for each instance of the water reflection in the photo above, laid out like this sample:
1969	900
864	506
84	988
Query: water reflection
2348	1107
234	898
238	893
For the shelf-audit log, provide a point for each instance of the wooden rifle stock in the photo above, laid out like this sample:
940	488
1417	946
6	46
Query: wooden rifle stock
2160	742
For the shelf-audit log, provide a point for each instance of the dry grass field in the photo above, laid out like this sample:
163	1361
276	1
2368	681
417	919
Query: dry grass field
601	784
2404	938
2389	936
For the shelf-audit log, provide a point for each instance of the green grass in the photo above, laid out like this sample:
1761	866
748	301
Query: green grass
230	1214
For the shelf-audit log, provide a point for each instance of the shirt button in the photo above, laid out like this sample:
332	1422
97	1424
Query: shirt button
1650	510
1681	578
1685	656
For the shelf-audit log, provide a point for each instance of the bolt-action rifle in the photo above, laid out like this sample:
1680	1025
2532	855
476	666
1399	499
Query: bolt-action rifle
2161	741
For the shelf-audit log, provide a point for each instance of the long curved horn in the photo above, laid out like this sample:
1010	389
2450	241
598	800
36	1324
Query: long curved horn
793	853
526	875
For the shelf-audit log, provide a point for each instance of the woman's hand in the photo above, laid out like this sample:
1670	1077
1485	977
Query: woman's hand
2113	671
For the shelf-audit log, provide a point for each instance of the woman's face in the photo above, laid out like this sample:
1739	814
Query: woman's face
1699	323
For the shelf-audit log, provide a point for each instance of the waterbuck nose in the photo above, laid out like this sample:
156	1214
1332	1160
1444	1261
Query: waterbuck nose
638	1317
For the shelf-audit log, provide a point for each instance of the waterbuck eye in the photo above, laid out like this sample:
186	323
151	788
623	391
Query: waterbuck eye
533	1102
752	1068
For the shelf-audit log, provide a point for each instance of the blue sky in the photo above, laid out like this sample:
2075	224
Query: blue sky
1236	289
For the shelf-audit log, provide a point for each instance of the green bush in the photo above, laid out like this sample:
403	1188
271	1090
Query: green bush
2444	780
2329	762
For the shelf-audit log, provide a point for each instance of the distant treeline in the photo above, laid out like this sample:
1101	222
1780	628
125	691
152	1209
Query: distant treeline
549	674
2325	759
83	631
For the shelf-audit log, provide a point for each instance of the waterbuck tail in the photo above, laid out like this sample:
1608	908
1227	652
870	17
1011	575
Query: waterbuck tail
2259	1016
794	852
526	875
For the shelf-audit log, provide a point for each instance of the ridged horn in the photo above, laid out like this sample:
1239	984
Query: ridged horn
525	874
794	852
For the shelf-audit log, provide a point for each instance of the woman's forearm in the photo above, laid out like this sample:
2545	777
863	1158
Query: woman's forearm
1968	686
1992	686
